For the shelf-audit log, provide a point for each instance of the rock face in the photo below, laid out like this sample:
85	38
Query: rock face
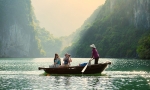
17	38
142	14
116	30
140	10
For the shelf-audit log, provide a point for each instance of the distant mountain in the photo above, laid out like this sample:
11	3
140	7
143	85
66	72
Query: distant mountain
68	41
117	30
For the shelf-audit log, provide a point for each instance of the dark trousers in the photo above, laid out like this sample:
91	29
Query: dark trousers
96	60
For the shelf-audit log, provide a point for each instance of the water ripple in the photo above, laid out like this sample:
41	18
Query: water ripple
121	75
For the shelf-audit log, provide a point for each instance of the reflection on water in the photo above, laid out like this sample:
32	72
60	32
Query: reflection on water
63	82
23	74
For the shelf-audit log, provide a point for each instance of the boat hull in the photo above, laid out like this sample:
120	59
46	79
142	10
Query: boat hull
92	69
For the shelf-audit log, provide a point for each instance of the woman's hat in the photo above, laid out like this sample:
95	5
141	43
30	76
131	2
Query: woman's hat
93	46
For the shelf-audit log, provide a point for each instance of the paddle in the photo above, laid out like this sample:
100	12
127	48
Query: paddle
85	67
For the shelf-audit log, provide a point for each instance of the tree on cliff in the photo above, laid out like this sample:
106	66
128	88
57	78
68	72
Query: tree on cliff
143	49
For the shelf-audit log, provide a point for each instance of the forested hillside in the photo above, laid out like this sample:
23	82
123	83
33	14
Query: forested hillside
49	45
68	41
118	31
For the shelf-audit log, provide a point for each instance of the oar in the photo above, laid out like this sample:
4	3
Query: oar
85	67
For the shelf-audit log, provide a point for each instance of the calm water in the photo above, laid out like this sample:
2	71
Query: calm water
123	74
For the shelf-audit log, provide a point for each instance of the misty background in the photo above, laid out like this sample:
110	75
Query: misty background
63	17
41	28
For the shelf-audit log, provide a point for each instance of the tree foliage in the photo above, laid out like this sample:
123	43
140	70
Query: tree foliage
113	32
143	49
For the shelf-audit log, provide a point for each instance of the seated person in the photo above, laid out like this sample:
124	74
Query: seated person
70	60
57	61
66	60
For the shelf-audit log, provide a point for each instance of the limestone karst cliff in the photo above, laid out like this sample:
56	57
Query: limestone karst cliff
17	37
118	27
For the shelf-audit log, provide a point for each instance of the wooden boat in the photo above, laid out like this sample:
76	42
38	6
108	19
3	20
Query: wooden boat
91	69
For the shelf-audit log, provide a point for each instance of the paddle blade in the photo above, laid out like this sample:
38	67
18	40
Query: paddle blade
84	68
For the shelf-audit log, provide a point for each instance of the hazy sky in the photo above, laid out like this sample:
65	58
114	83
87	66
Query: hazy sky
63	17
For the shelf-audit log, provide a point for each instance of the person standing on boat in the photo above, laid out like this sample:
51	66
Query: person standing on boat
95	54
57	60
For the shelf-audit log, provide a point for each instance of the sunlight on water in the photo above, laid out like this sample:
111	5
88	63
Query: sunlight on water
23	74
20	72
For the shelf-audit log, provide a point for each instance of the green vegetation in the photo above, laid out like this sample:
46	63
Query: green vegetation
119	29
144	47
15	19
20	13
115	31
49	44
